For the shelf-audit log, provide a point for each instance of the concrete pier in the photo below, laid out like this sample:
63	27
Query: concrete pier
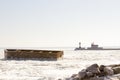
32	54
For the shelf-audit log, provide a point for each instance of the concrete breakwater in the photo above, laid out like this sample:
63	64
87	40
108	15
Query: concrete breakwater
94	47
32	54
96	72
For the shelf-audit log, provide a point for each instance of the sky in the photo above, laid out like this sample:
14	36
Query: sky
59	23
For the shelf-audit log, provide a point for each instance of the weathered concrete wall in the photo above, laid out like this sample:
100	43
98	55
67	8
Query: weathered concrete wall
32	54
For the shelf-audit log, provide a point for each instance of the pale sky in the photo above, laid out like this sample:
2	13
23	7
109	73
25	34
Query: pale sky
54	23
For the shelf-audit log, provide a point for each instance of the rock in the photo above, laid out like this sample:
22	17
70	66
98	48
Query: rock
104	70
100	78
114	65
111	78
94	69
116	70
74	75
82	74
95	78
72	78
101	68
89	74
108	71
117	75
102	73
76	78
94	72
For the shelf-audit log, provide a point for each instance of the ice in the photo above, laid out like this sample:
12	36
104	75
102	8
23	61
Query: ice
71	63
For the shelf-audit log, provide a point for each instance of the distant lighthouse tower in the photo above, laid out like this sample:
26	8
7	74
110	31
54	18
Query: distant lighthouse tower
79	44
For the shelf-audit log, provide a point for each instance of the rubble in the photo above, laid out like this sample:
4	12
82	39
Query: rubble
96	72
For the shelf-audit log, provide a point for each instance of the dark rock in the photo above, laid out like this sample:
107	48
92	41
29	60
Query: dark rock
116	70
94	72
74	75
72	78
108	71
89	74
94	69
76	78
114	65
101	68
82	74
95	78
102	73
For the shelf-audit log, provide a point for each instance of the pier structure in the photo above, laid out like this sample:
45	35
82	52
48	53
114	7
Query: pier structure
32	54
94	47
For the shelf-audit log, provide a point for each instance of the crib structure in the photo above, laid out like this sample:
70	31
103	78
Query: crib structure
32	54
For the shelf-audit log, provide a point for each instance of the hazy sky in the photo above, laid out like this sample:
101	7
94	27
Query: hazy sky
51	23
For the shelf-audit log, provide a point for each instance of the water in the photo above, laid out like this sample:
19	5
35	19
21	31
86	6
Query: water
72	62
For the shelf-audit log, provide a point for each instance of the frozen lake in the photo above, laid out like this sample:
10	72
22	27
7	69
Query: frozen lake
72	62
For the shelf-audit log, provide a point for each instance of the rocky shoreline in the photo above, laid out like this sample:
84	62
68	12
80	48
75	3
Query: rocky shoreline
96	72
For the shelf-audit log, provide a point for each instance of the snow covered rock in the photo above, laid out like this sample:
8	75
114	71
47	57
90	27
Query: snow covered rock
95	72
